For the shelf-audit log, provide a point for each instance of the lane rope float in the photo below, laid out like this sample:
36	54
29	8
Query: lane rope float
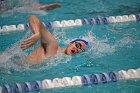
84	80
76	22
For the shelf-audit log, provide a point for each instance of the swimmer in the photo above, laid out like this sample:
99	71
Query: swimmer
49	45
35	6
49	6
43	7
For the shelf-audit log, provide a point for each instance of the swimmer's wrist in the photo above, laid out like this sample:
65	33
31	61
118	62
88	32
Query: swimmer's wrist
37	36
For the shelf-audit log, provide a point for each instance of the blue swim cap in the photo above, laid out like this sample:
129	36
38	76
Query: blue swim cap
80	40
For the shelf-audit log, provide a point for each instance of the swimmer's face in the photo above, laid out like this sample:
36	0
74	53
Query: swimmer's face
75	47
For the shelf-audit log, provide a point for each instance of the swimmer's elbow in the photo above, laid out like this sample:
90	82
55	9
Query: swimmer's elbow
32	17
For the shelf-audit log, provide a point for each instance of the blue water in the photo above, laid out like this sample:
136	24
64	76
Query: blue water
117	46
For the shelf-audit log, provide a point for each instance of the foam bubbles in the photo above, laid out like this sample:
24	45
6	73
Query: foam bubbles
98	47
124	41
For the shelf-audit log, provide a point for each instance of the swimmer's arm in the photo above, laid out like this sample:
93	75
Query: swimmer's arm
49	6
34	24
47	39
40	32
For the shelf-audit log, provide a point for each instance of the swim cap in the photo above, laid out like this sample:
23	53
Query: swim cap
80	40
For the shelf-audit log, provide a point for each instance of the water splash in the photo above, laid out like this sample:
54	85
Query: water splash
61	36
12	55
97	47
21	6
52	61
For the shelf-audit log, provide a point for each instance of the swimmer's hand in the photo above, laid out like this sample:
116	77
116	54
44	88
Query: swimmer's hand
49	6
30	41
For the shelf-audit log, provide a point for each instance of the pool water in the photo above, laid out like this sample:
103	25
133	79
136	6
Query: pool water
116	46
